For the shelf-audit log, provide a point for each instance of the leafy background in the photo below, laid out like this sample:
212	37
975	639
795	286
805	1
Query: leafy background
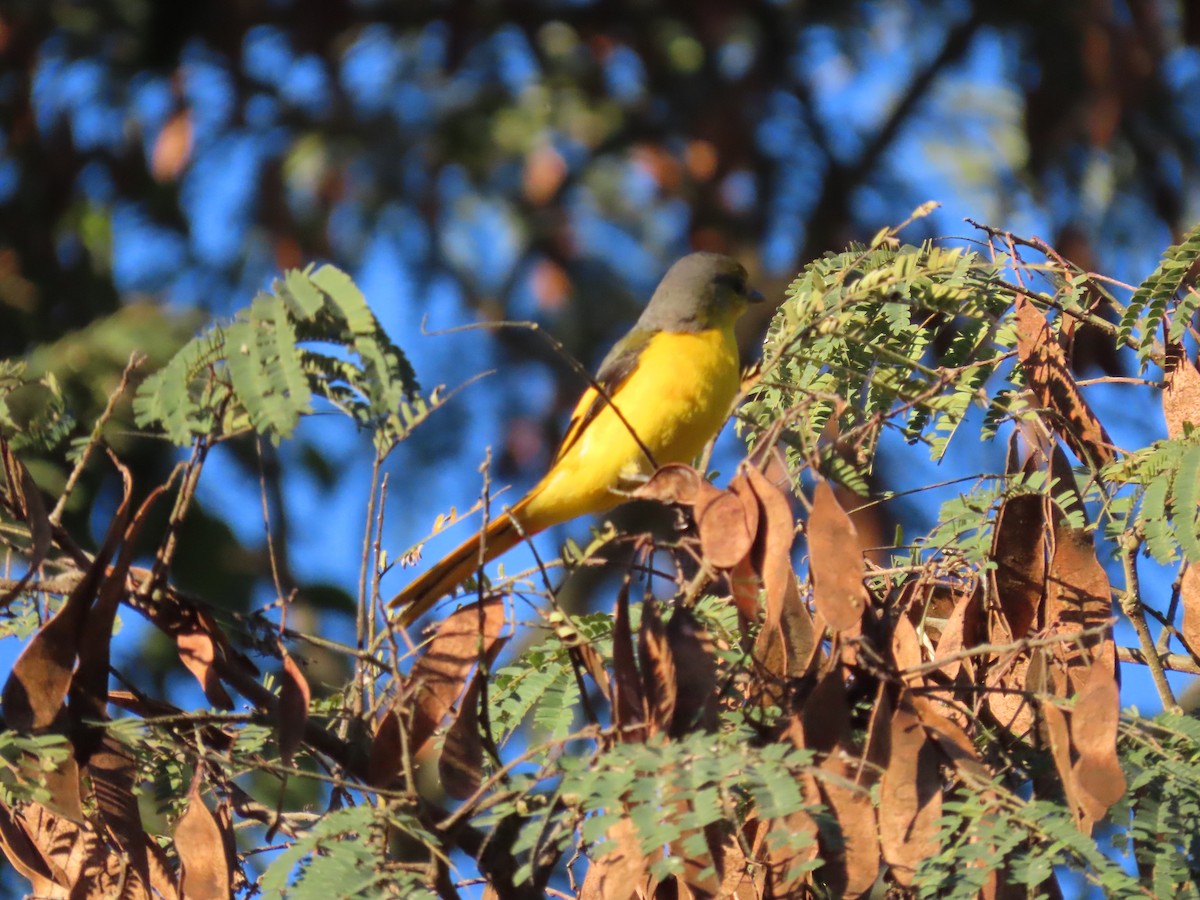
477	162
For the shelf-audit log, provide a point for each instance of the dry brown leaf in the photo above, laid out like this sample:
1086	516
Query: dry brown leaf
835	561
878	741
791	842
616	874
36	689
826	714
387	748
792	648
461	763
583	653
1189	599
440	675
949	737
203	647
205	869
1019	551
1058	739
26	503
1006	698
701	875
910	797
460	767
1078	598
25	858
113	773
962	630
727	523
659	682
695	674
198	653
744	585
673	483
854	868
772	552
81	862
1049	376
1181	396
906	650
88	693
628	701
1094	723
741	881
162	878
294	697
851	870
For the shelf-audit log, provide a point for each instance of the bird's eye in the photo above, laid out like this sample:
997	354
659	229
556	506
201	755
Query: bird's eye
731	280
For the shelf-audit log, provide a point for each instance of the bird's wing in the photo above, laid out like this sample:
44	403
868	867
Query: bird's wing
617	366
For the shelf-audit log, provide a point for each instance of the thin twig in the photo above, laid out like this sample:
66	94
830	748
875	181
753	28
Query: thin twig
135	361
1131	605
576	366
364	608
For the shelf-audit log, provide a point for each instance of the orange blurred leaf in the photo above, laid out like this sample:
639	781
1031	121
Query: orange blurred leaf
545	170
172	147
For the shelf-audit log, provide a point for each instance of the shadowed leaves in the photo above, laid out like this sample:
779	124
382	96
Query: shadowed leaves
435	682
616	873
201	839
910	796
461	763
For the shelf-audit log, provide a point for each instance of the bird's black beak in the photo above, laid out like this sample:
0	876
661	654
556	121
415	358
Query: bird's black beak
754	296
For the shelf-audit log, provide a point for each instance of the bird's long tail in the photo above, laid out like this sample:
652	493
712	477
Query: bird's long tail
452	570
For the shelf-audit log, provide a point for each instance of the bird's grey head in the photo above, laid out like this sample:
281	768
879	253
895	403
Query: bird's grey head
702	290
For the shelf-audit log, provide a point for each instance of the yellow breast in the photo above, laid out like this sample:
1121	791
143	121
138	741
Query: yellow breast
676	400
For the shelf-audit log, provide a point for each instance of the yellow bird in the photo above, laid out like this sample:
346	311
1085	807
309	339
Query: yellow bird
673	378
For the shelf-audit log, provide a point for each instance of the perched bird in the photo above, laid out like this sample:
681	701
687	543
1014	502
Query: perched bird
673	378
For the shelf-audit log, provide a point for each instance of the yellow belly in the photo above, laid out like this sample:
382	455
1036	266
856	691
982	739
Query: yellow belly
676	400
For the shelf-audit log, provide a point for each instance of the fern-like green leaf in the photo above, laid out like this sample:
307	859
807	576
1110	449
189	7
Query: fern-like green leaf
261	370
